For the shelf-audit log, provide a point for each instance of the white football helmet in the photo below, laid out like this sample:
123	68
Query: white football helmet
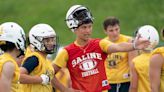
38	33
150	33
78	15
12	32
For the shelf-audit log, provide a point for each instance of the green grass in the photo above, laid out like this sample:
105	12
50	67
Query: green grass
132	14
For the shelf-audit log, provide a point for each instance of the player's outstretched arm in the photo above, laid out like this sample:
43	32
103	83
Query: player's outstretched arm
138	44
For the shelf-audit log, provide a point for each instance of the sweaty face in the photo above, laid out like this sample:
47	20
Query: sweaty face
113	32
49	43
84	31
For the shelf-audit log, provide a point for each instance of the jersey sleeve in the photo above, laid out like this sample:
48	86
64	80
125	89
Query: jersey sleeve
159	50
30	63
61	58
104	45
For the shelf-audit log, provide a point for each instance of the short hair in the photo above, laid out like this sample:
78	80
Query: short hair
7	46
110	21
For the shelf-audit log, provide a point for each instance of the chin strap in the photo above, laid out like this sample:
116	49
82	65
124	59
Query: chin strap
21	53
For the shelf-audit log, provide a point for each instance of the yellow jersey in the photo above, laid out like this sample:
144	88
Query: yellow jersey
160	50
141	64
29	50
15	81
117	67
44	67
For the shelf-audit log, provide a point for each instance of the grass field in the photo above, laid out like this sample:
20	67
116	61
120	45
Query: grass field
132	14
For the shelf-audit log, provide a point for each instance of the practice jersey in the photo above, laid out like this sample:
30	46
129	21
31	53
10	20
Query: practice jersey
44	67
117	67
141	64
27	53
86	65
29	50
160	50
15	81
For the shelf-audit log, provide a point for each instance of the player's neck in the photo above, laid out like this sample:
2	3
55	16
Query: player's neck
43	54
81	43
14	53
113	39
147	51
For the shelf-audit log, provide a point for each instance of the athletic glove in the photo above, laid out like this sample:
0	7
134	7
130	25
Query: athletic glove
45	79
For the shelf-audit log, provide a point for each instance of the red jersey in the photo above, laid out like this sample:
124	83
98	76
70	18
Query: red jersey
86	67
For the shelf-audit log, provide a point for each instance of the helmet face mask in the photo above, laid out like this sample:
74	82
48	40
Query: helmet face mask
38	34
49	44
83	17
150	33
78	15
162	34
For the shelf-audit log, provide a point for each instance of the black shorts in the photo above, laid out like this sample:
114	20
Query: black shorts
120	87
